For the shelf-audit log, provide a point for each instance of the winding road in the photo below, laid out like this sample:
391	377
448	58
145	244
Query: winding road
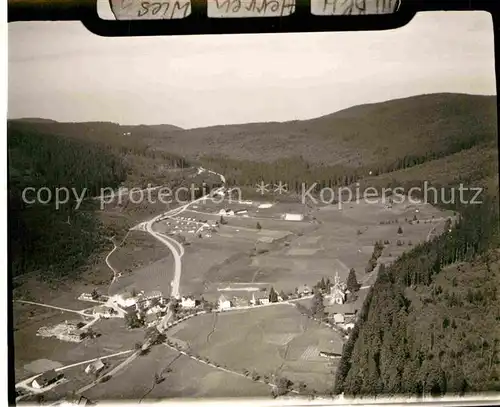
175	247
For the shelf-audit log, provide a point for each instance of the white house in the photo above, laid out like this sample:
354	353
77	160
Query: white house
188	302
124	300
223	303
305	290
296	217
155	310
350	325
85	297
95	367
264	301
338	318
103	311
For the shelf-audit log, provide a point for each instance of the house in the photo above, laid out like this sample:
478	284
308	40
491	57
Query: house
188	302
223	303
151	319
46	378
150	298
259	298
348	311
73	401
338	318
241	302
330	355
305	290
103	311
296	217
86	297
125	299
350	325
95	367
155	309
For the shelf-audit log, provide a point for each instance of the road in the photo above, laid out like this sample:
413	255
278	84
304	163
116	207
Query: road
25	383
174	246
82	312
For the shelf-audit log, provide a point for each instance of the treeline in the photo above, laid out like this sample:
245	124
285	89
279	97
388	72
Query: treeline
132	148
42	237
297	173
438	339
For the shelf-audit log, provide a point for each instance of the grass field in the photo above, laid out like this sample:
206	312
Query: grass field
28	347
186	378
270	340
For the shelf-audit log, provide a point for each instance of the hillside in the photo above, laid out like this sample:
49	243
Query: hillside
476	165
377	135
428	324
42	237
128	142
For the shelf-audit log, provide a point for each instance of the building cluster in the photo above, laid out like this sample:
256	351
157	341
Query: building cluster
68	331
340	312
191	225
147	306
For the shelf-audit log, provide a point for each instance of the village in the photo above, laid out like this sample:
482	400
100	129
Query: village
146	309
241	256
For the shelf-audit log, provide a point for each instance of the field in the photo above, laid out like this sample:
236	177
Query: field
184	378
271	340
339	239
240	258
29	348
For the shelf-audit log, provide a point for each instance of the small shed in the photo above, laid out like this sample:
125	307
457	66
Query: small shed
95	367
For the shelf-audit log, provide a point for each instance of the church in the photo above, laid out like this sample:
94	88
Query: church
337	293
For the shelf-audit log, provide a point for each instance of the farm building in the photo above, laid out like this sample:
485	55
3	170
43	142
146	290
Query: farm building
73	401
296	217
223	303
330	355
125	299
259	298
350	325
304	290
241	302
103	311
47	378
338	318
85	297
348	310
95	367
188	302
151	298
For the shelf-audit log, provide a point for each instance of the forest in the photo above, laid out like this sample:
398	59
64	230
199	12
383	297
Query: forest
429	324
42	238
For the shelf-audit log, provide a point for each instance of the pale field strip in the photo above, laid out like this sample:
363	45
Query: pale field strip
310	353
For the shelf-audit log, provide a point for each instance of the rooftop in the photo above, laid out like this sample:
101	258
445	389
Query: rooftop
342	308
